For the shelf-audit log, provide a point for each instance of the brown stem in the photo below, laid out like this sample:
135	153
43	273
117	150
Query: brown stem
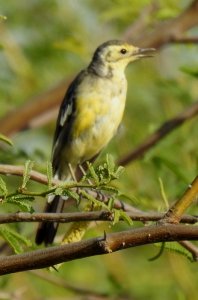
159	134
191	248
175	213
19	171
86	216
46	257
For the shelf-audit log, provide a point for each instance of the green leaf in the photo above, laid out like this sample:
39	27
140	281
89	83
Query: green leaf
126	218
3	187
110	189
110	163
163	193
22	202
5	139
58	191
176	248
14	239
190	70
26	175
111	203
116	213
93	173
159	254
93	200
49	174
72	194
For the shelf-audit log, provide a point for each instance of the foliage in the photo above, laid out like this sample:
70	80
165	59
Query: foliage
43	42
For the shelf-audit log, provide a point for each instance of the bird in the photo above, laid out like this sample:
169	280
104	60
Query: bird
89	117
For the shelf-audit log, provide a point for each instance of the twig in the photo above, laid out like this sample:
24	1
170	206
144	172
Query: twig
185	40
86	216
159	134
191	248
19	171
102	245
141	23
41	178
175	213
166	32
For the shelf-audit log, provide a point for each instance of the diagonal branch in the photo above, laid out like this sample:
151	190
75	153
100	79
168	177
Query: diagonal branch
175	213
160	133
46	257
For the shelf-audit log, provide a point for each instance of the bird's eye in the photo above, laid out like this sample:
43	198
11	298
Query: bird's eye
123	51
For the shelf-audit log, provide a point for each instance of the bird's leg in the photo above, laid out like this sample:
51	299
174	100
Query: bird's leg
72	173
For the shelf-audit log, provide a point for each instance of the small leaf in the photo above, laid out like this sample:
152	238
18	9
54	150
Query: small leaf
58	191
26	174
111	203
163	193
93	173
3	187
159	254
72	194
176	248
109	188
22	202
14	239
93	200
126	218
110	163
119	172
49	174
116	218
6	140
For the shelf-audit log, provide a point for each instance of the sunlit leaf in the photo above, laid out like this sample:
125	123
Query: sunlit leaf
15	240
26	175
6	140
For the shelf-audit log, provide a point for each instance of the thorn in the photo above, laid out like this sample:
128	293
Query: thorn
53	267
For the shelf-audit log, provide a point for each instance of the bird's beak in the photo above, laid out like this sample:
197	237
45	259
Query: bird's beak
144	52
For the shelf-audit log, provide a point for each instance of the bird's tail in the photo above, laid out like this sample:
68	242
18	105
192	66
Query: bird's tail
47	230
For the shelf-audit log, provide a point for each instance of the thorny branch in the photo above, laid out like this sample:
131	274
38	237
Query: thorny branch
159	134
96	246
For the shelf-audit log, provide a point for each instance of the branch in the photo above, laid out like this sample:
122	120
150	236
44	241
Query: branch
19	171
191	248
166	32
160	133
96	246
175	213
186	40
86	216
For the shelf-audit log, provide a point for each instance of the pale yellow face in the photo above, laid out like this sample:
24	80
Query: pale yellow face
118	53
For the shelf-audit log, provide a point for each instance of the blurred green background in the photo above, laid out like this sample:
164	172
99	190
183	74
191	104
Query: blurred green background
43	42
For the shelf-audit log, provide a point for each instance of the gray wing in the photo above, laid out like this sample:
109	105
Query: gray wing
65	120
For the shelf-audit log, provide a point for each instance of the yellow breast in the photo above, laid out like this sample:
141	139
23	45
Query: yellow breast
99	110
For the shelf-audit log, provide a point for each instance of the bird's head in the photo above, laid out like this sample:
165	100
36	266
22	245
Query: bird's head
117	55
